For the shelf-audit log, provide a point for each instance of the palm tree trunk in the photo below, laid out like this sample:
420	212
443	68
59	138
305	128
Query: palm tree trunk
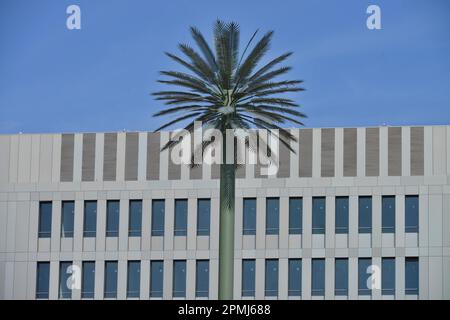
226	235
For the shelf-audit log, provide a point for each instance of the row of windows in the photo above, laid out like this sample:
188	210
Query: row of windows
134	219
341	215
341	277
133	279
249	216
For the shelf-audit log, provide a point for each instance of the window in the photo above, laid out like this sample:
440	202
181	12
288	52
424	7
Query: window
295	277
45	220
90	218
65	292
249	224
388	276
135	218
88	279
412	276
271	283
272	215
202	278
42	280
318	277
365	214
341	215
112	218
412	214
295	215
67	217
158	209
180	217
248	278
318	215
133	279
203	216
388	214
341	276
179	278
363	276
156	278
110	279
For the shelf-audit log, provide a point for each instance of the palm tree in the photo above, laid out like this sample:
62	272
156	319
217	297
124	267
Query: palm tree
225	90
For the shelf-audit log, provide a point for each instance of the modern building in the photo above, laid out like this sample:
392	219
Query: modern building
131	224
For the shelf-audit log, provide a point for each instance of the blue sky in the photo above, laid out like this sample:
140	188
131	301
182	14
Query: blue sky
99	78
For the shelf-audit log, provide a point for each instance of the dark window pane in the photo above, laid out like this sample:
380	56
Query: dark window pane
180	217
203	217
365	214
202	279
272	215
249	224
65	292
318	215
295	215
271	284
45	220
412	276
248	278
363	276
112	218
388	214
133	279
318	277
388	276
110	279
412	214
42	280
90	218
295	277
158	210
67	218
179	278
135	221
341	277
88	279
156	278
341	214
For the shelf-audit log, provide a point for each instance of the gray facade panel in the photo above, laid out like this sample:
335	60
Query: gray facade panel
372	152
110	157
153	155
305	153
395	151
88	162
350	152
417	151
327	153
131	155
67	152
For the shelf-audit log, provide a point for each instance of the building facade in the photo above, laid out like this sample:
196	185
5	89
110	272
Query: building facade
355	213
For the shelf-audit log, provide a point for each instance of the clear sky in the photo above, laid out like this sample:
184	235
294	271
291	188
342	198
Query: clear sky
99	78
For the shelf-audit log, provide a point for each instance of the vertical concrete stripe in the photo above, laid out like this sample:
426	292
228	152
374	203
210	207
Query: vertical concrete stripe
327	153
88	162
110	157
67	152
350	152
395	151
153	154
372	152
131	155
305	153
174	170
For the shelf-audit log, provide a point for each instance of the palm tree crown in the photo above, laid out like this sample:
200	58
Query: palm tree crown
225	89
